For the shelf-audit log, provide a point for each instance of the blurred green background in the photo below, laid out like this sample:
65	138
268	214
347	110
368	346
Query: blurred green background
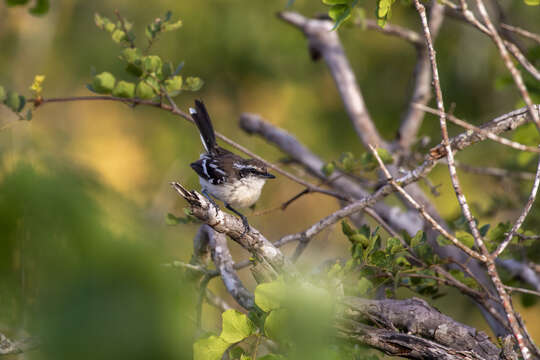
84	186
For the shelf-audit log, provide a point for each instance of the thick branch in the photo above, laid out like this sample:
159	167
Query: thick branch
412	328
225	265
325	42
227	224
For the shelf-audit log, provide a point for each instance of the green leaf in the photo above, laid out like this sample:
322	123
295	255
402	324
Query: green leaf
393	245
103	83
22	102
360	239
144	91
170	219
152	64
268	296
16	2
40	8
172	26
442	241
211	348
193	83
465	238
118	36
364	285
340	14
131	55
13	100
174	84
379	258
532	2
328	168
385	156
236	326
384	11
275	323
124	89
347	228
2	93
418	239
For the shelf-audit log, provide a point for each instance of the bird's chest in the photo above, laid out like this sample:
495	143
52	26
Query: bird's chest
239	193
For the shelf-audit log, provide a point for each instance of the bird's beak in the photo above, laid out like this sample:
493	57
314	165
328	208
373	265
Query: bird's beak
268	176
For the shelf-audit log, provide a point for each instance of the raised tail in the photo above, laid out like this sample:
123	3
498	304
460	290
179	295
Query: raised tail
203	122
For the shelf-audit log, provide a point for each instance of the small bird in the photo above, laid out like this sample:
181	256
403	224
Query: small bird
226	176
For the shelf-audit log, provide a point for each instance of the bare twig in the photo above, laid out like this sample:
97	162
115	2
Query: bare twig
421	93
522	32
445	139
497	172
485	133
406	34
175	110
522	216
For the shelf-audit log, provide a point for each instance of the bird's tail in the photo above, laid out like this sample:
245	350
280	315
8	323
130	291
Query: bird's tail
203	122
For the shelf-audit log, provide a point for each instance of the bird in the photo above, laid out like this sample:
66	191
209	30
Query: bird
223	175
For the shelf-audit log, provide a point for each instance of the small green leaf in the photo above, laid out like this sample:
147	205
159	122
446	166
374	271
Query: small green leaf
172	26
360	239
174	84
328	168
144	91
40	8
364	285
103	83
268	296
152	64
193	83
124	89
384	11
442	241
275	322
347	228
418	239
118	36
465	238
13	100
236	326
385	156
22	102
131	55
532	2
170	219
109	26
211	348
339	13
379	259
2	93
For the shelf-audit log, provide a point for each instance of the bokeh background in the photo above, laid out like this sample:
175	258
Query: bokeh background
84	186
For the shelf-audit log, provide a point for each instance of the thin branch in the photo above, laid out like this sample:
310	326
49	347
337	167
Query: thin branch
522	216
445	141
485	133
124	28
512	289
424	214
406	34
497	172
522	32
41	101
421	93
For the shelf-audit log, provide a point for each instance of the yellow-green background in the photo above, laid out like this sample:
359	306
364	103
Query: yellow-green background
84	185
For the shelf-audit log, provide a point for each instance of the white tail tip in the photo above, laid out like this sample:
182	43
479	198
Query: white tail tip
192	111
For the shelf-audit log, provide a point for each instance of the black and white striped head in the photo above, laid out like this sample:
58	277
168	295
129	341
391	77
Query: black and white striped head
251	167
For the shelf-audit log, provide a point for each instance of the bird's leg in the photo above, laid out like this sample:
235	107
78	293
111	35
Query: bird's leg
244	219
209	197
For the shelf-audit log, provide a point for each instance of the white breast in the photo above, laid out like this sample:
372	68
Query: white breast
241	193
